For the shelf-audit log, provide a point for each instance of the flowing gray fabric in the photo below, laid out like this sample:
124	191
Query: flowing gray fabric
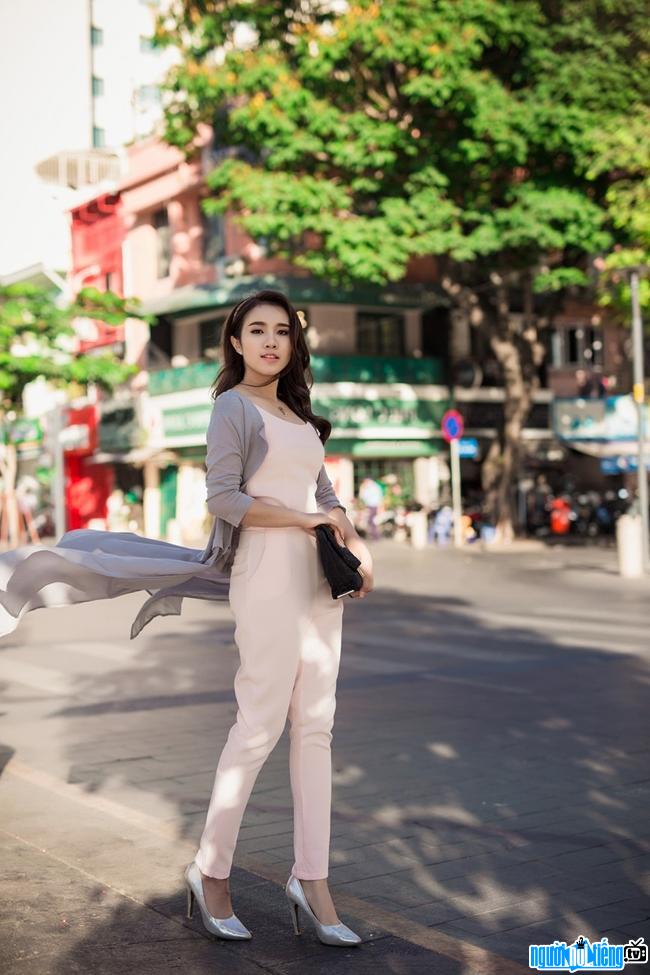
88	564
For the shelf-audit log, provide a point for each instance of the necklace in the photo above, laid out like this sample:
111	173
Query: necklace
280	407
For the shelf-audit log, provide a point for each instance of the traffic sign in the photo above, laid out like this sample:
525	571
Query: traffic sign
468	448
452	425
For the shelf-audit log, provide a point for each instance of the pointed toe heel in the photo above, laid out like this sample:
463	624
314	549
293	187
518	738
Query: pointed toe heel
329	934
222	927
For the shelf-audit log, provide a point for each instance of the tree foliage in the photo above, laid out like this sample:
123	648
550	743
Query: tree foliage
37	339
463	128
498	136
624	150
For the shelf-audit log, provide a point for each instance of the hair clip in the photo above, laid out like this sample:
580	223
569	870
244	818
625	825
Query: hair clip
301	318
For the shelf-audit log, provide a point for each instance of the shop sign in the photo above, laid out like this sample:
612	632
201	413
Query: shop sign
609	418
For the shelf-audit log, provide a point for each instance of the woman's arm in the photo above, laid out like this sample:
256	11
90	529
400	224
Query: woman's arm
224	463
326	498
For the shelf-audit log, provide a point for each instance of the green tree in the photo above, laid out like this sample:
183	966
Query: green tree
624	150
37	339
358	136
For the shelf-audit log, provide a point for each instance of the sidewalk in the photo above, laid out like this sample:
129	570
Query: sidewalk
91	886
490	776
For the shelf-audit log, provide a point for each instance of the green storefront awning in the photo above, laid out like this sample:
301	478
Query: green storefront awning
350	448
382	448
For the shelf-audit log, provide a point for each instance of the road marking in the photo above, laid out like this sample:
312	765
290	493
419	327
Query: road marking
376	665
482	684
36	677
548	622
592	614
469	650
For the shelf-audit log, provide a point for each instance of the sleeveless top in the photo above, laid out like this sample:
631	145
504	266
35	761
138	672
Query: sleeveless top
287	476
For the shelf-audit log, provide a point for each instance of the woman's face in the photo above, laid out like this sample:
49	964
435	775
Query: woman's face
265	341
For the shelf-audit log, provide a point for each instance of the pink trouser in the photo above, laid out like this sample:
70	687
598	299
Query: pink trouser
288	633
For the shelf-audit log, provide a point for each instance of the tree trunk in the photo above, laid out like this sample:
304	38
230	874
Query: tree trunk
514	341
516	347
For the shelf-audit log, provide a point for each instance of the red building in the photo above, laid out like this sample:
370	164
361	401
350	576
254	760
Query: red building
97	230
97	236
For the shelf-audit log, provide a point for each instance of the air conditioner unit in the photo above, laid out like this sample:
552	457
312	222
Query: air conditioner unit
231	266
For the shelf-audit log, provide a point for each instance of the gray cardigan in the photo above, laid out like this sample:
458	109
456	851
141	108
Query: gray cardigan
88	564
236	447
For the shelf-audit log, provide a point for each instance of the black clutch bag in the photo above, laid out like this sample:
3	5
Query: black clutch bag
339	563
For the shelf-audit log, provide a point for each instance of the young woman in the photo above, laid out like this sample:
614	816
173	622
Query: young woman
288	627
265	482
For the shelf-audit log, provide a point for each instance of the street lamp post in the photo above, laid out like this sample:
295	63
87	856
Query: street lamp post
639	399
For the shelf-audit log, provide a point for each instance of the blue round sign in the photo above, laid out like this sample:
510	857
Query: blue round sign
452	425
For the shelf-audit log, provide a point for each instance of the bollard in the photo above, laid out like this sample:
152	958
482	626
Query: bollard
629	542
419	528
174	532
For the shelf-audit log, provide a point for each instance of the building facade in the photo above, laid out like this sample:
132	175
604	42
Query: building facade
384	361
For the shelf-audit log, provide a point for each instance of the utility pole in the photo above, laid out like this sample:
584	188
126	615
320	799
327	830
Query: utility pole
55	428
639	399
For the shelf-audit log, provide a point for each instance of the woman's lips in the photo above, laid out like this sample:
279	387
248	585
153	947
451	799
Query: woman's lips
274	357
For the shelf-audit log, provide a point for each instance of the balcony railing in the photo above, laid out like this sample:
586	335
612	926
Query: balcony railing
325	369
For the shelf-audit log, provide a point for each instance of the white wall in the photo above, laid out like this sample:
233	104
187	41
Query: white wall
124	111
44	67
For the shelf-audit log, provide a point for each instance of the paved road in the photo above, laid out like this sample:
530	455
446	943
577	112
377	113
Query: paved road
491	775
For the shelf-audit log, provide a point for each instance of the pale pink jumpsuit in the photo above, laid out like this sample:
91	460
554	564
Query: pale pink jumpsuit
288	633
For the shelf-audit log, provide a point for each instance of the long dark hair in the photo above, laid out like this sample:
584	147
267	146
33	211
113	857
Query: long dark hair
293	388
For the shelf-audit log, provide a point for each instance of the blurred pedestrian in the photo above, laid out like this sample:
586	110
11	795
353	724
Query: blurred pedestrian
371	494
442	525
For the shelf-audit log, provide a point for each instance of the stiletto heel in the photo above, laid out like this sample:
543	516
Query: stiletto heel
223	927
329	934
294	916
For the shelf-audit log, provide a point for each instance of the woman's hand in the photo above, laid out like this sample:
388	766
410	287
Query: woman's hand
309	522
368	584
352	541
359	548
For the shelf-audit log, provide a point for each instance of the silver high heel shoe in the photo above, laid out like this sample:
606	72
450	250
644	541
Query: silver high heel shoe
227	927
329	934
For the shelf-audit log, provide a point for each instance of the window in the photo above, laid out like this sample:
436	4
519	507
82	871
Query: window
99	137
380	333
148	95
98	86
163	234
96	36
575	345
210	330
214	236
112	281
